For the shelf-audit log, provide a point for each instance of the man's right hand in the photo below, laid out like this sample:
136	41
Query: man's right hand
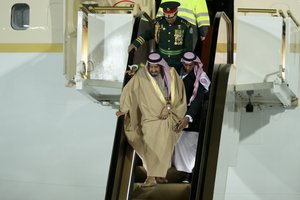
119	113
131	47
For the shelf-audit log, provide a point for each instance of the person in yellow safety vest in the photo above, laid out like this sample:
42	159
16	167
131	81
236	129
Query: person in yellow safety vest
196	13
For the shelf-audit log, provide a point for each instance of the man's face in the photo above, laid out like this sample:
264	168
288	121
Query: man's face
154	69
188	67
171	18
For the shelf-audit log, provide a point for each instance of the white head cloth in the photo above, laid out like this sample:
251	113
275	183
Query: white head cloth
201	76
156	58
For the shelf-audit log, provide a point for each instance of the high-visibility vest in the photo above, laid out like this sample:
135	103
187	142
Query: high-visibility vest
193	11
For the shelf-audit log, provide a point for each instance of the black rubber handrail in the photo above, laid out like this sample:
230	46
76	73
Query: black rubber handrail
120	143
201	163
212	135
215	33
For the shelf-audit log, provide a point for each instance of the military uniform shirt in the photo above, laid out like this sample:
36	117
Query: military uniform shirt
173	40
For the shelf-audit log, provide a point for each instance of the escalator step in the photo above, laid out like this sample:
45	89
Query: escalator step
170	191
173	175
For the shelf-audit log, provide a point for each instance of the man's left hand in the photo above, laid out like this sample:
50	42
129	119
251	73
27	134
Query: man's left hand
182	124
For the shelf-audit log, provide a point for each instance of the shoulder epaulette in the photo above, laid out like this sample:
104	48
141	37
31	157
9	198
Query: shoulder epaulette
158	19
188	24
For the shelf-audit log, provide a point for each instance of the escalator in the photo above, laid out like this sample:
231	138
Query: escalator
126	172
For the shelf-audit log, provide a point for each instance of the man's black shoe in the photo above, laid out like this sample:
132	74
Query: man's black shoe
187	178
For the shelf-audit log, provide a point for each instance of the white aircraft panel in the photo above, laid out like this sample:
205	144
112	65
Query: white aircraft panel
259	48
108	40
292	55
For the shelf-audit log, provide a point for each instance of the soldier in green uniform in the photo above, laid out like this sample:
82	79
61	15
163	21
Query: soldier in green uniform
173	35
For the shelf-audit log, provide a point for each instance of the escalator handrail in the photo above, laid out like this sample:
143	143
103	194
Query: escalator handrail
205	126
212	134
214	39
113	186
